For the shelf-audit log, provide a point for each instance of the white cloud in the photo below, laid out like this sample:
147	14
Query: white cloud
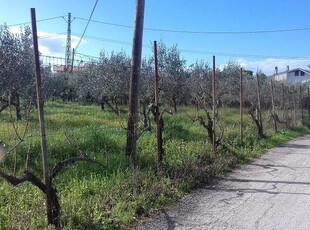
51	44
267	66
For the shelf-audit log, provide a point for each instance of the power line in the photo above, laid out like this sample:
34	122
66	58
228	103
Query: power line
41	20
203	32
239	55
201	52
108	40
197	51
88	56
106	23
87	24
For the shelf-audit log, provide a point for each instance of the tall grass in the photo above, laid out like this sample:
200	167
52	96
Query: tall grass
118	195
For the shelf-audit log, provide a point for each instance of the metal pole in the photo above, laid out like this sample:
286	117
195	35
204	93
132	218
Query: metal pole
40	102
241	104
214	105
73	52
68	45
131	145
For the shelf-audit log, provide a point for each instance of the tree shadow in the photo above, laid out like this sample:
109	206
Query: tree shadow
295	146
269	166
271	191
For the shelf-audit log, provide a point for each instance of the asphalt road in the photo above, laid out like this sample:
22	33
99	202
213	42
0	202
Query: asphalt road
273	192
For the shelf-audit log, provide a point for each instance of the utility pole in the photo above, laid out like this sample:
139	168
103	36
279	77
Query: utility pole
68	45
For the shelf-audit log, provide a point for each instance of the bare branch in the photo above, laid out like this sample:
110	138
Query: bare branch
28	176
147	121
257	123
75	146
62	164
22	137
165	110
14	126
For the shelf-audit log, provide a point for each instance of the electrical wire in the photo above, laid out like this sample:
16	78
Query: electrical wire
201	52
86	25
197	51
203	32
41	20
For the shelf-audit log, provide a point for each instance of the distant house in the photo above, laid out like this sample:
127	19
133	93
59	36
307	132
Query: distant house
293	75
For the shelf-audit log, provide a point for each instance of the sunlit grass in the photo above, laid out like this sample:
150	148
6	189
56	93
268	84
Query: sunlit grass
118	194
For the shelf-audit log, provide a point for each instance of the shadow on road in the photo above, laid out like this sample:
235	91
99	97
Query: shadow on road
269	166
295	146
272	190
266	181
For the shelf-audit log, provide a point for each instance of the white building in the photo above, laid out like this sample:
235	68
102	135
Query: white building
293	75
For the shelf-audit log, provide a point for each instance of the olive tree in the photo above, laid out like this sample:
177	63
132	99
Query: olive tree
16	69
171	67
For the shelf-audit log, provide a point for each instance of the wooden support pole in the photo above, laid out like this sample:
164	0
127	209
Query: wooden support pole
40	102
294	106
308	102
273	107
259	112
284	112
241	104
300	103
160	150
214	105
131	145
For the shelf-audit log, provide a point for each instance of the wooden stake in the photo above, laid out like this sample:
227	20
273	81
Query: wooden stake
241	104
294	102
160	150
273	107
214	105
261	133
40	102
300	103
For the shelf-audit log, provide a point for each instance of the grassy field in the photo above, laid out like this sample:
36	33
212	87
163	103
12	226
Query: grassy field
118	195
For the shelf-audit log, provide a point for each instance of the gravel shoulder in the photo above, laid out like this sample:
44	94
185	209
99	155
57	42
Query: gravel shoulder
272	192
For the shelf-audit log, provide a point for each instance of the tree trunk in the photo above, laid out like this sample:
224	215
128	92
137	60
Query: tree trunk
17	107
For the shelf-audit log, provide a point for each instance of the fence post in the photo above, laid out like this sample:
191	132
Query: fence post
261	132
308	104
273	107
300	103
159	138
294	106
214	105
241	104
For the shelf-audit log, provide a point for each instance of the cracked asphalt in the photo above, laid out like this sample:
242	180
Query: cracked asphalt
272	192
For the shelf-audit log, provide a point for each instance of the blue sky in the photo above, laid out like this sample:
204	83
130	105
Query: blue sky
254	51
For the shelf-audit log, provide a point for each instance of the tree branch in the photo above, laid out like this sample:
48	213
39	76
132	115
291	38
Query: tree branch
62	164
28	176
147	121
